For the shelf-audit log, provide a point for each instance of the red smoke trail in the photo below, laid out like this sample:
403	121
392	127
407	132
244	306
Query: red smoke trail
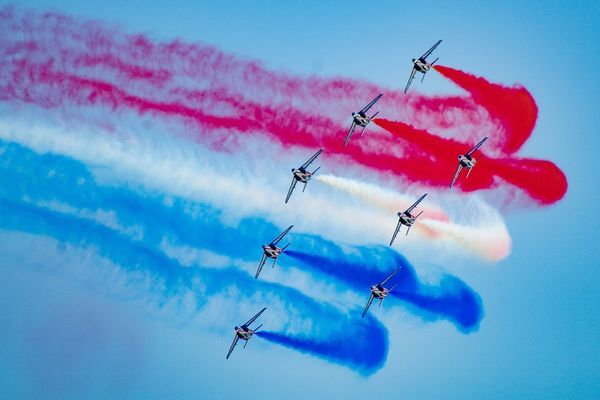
166	70
514	107
433	159
55	61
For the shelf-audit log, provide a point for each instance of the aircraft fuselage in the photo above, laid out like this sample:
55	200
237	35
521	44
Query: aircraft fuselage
272	251
301	175
406	218
243	332
466	161
421	65
379	292
361	119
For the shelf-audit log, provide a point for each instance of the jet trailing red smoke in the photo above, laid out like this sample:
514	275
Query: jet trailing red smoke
433	160
513	107
84	68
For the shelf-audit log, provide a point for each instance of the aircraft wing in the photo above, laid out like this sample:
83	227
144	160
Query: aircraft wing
368	305
281	235
251	320
476	146
396	231
410	78
415	204
310	160
291	189
383	282
235	340
350	133
261	264
428	52
456	174
371	104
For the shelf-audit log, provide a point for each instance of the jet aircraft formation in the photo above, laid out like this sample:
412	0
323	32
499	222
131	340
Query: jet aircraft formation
407	218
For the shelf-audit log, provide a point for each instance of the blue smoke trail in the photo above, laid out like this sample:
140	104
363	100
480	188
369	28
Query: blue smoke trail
450	299
340	346
357	267
26	175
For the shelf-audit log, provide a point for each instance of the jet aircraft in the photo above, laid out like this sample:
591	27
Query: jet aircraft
421	65
406	218
302	175
244	332
466	161
379	292
361	119
271	250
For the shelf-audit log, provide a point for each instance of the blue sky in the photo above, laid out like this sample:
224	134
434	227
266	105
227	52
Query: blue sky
540	337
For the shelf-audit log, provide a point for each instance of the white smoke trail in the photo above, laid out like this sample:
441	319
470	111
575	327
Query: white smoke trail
483	231
248	185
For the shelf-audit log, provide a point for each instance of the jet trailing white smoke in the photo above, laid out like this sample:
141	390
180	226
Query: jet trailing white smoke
472	224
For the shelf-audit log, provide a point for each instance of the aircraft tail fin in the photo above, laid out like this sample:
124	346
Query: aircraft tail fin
423	77
373	116
258	327
380	301
315	171
363	130
417	216
408	230
304	187
246	344
285	247
392	288
434	61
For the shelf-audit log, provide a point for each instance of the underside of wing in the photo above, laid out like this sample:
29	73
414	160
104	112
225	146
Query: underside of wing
410	79
291	189
281	235
476	147
251	320
235	340
371	104
350	133
310	160
456	175
368	305
415	203
396	231
261	265
388	278
428	52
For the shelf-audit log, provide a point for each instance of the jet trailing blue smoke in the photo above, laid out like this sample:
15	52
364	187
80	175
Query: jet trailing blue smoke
340	346
360	267
56	196
28	179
